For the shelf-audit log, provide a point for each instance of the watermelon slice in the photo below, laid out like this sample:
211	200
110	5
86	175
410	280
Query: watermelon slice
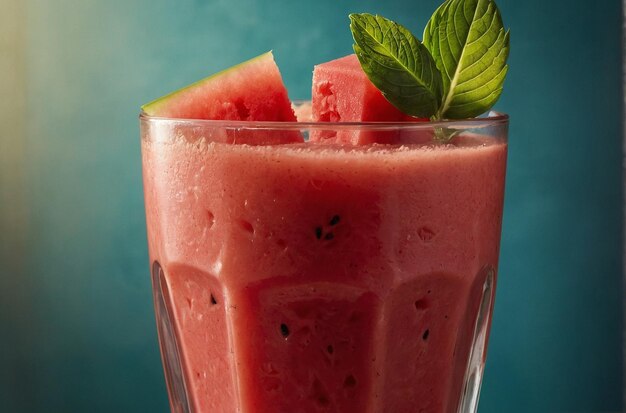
250	91
343	93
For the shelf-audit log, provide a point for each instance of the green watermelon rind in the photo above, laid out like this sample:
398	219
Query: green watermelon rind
153	108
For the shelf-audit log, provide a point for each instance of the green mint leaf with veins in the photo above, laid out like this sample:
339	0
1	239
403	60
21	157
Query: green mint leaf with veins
470	46
398	64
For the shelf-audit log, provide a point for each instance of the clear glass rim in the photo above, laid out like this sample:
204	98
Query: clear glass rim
493	119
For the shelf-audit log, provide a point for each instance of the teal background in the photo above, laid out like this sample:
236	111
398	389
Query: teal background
77	331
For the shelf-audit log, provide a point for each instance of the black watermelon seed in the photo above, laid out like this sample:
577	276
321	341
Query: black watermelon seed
425	335
330	349
329	236
284	330
318	232
334	220
213	300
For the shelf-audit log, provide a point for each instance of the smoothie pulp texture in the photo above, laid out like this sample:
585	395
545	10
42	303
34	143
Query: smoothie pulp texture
310	278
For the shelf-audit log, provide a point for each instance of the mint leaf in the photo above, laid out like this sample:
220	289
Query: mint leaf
431	33
398	64
470	46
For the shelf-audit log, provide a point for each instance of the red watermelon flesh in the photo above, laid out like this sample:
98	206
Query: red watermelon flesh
250	91
343	93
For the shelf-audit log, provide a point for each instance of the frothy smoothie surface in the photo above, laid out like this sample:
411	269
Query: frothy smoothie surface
312	278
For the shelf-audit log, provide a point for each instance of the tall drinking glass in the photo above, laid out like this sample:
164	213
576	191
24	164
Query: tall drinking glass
306	278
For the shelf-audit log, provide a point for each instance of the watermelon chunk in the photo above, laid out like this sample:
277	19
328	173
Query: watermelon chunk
343	93
250	91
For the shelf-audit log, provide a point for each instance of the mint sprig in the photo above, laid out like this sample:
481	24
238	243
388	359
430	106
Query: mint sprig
466	41
398	64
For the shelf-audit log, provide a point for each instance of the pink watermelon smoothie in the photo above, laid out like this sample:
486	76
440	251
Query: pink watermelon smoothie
310	278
